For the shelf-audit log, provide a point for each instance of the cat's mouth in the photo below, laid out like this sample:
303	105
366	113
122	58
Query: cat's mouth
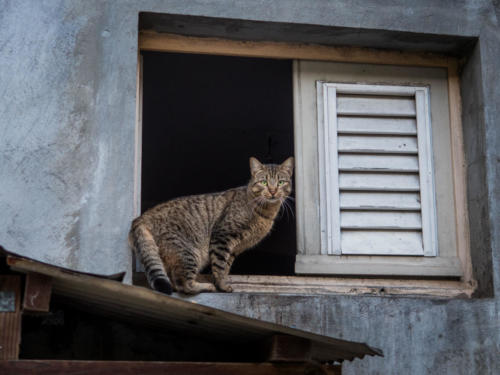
273	199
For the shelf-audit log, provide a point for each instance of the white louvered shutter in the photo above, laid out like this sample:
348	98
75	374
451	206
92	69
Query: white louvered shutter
376	177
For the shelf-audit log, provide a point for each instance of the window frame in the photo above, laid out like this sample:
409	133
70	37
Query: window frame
164	42
309	261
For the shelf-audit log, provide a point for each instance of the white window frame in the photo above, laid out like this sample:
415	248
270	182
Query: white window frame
329	167
311	258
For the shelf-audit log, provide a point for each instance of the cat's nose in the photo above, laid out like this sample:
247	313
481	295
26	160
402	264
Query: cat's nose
272	191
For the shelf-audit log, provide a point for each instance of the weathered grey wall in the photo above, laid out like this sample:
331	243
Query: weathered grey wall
67	123
418	336
67	119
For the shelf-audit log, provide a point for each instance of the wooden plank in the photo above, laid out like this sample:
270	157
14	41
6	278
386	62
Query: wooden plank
378	163
153	41
374	89
459	170
138	136
379	201
358	105
300	172
382	267
377	144
355	282
328	164
380	220
381	242
10	321
332	189
326	227
55	367
283	348
426	173
137	264
37	293
379	181
377	125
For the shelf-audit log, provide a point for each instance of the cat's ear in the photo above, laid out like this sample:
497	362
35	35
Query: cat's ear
255	166
287	166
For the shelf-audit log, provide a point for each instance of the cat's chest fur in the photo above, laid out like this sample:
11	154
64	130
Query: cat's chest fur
258	228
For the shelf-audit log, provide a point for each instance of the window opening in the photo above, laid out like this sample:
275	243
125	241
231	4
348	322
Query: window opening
203	117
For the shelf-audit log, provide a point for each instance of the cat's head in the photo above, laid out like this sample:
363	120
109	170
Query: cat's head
271	182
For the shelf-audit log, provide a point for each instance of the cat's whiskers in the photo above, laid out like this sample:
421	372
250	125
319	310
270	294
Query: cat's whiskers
282	209
287	206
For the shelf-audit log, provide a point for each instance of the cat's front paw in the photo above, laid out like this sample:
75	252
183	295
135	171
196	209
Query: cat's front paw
224	287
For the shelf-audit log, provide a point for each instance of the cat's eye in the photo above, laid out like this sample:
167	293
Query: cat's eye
263	182
281	182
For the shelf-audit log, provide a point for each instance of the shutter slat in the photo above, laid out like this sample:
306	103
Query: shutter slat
371	105
374	125
377	144
380	220
379	201
378	163
378	181
381	242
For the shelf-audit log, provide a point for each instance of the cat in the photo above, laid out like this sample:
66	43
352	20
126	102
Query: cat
177	239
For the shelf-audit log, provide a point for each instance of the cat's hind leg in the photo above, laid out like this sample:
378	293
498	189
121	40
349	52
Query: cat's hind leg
184	274
185	282
147	250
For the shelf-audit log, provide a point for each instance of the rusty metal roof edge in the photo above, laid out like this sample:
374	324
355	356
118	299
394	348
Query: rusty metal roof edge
106	283
116	276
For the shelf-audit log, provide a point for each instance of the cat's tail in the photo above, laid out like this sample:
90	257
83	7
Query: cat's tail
144	245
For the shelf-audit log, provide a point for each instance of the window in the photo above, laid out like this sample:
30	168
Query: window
369	133
420	147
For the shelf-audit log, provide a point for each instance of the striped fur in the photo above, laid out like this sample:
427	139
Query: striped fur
177	239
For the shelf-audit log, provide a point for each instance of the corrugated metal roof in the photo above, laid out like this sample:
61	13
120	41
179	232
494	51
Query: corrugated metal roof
108	296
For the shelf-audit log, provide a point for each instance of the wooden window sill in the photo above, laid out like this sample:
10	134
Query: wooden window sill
307	285
321	285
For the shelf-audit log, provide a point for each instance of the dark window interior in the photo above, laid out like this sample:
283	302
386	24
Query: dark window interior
203	117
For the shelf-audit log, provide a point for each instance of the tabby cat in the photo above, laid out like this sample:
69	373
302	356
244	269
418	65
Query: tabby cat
177	239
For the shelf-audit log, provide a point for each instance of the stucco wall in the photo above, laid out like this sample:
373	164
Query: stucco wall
67	122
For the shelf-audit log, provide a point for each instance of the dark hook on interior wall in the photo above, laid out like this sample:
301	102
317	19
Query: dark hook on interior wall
269	157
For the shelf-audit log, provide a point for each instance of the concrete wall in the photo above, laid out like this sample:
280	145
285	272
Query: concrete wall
67	122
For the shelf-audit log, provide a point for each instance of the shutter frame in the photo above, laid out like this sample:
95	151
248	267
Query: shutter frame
328	169
426	172
330	209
